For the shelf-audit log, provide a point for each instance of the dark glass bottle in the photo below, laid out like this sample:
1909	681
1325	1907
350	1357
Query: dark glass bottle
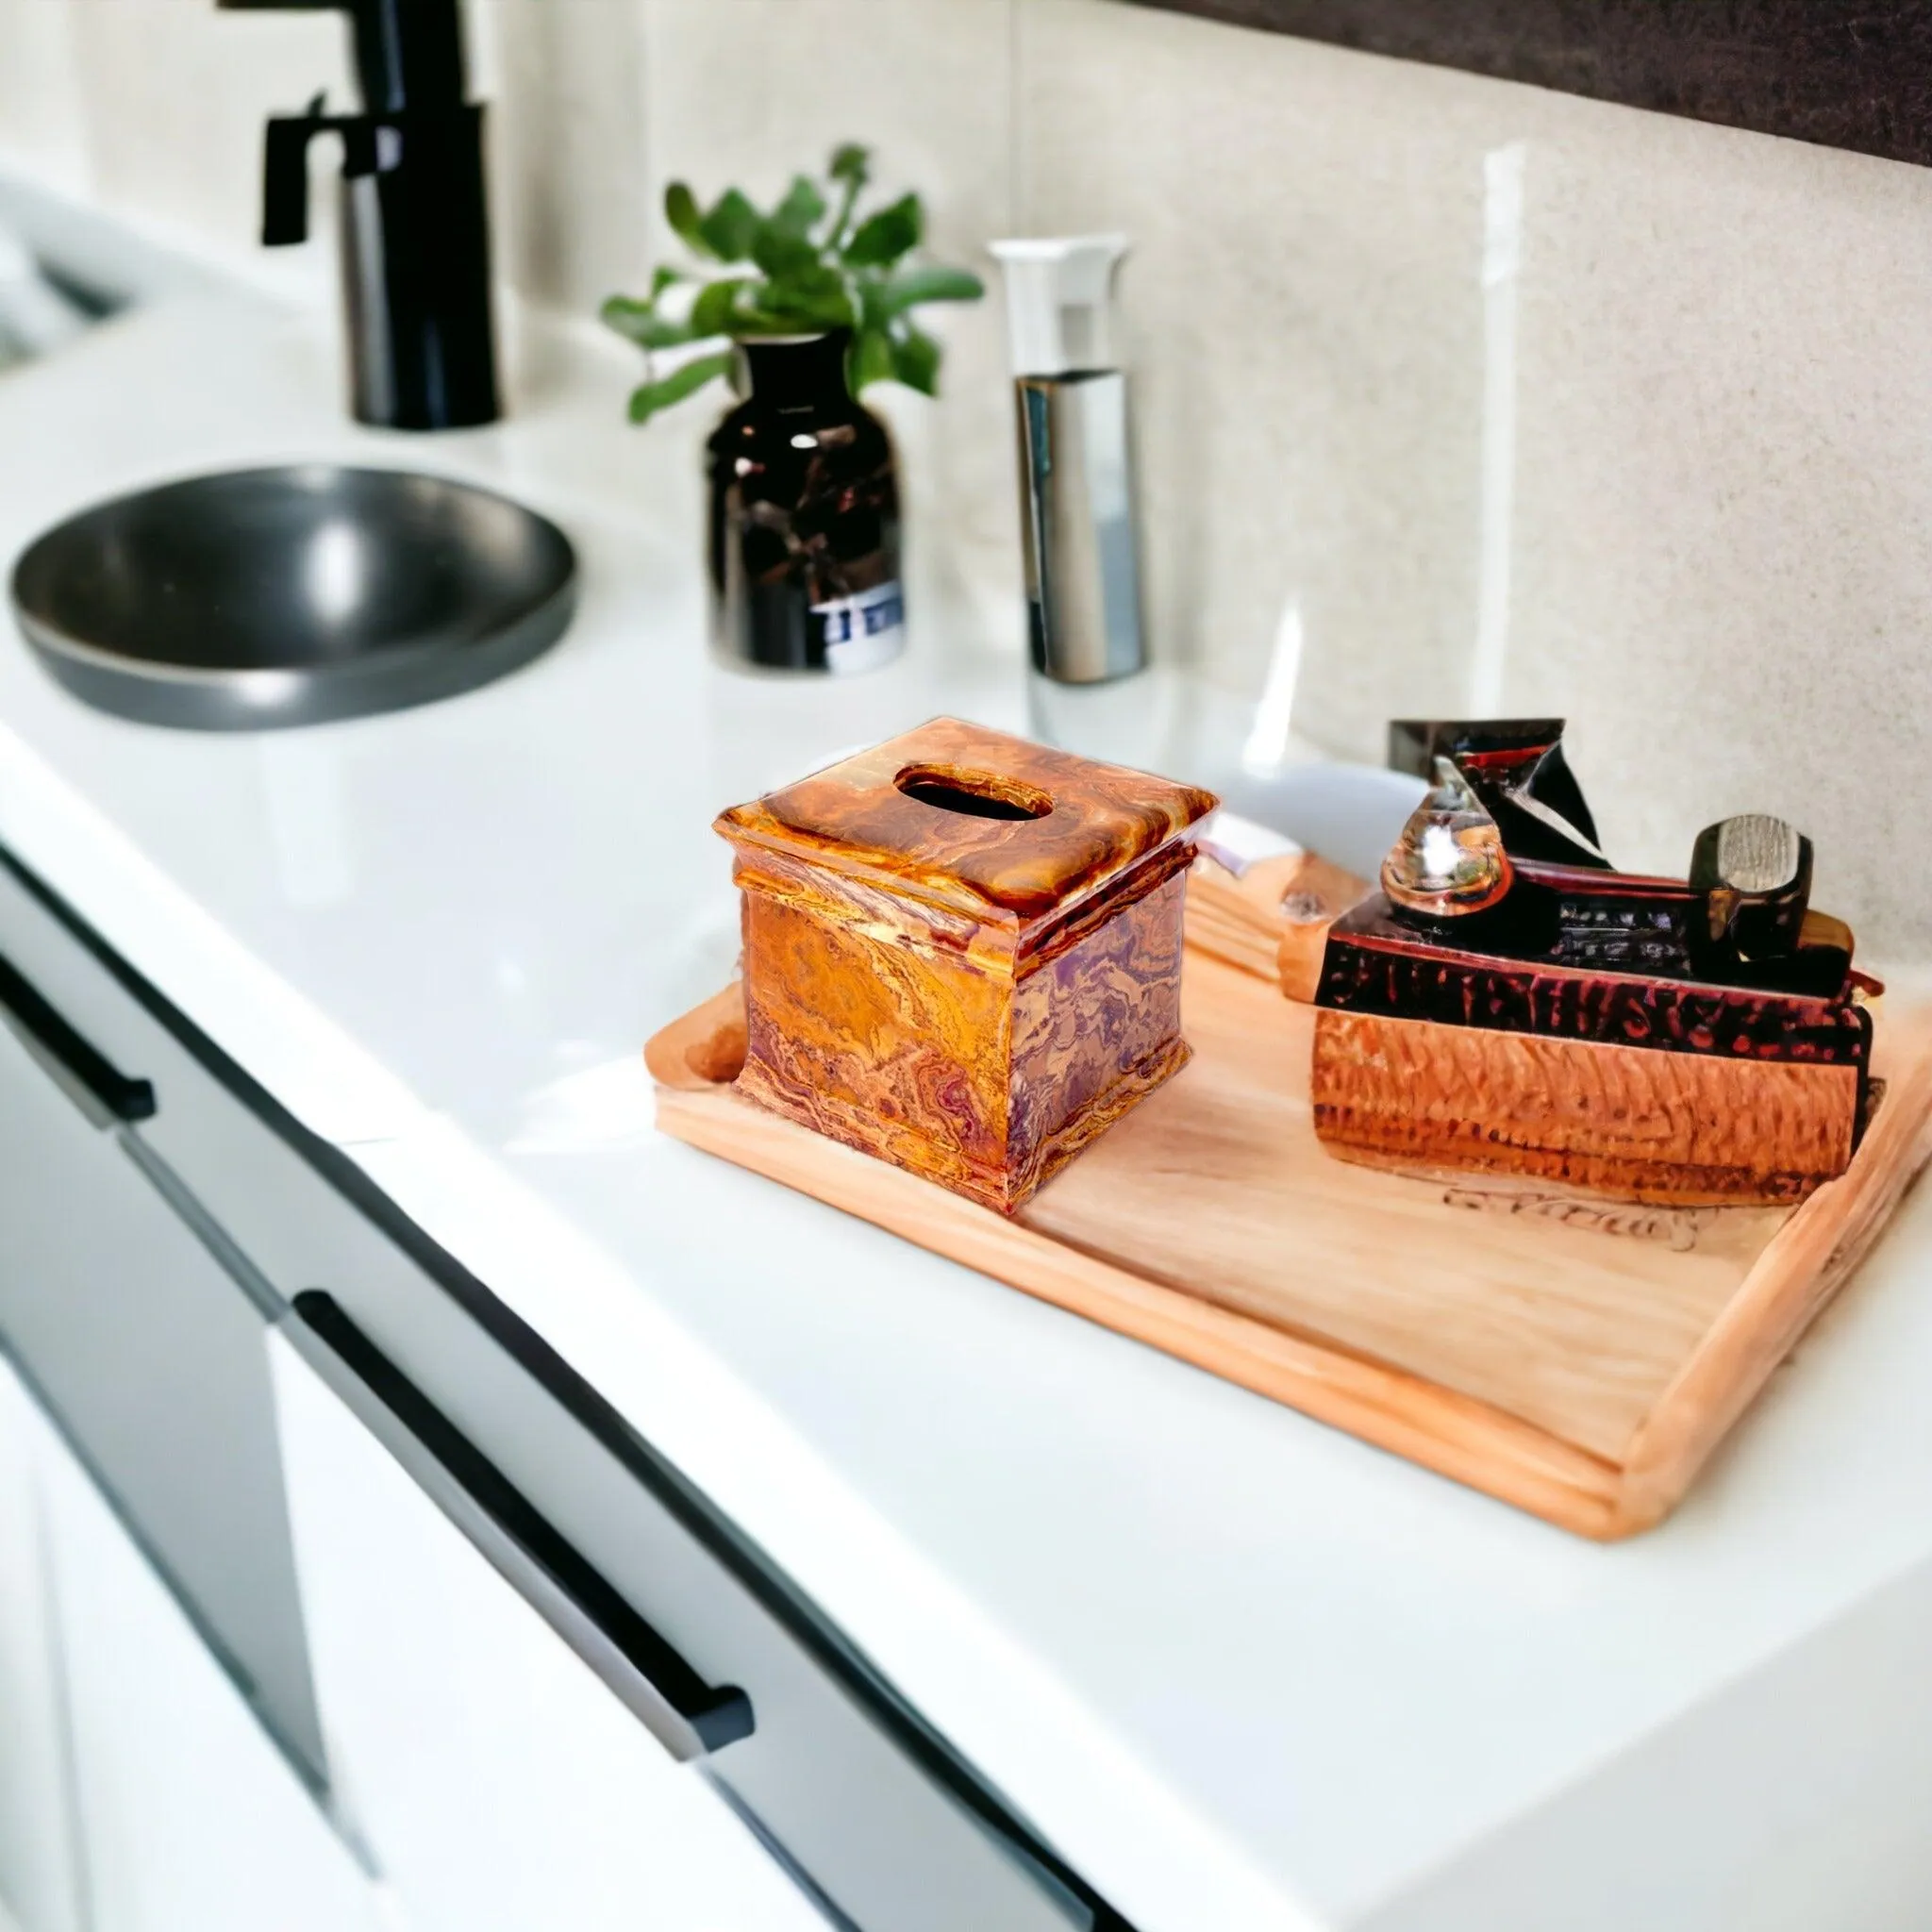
805	518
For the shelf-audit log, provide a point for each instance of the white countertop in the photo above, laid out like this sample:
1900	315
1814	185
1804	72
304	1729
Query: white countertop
1244	1671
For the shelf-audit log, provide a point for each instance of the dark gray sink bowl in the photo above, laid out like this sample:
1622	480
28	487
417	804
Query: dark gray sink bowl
262	598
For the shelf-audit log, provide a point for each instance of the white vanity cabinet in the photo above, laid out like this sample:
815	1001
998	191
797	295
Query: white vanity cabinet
500	1785
158	1752
40	1857
127	1323
184	1815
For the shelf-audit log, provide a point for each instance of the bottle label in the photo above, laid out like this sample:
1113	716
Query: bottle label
864	630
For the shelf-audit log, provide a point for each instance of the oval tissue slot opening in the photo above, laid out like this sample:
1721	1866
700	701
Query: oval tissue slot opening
972	794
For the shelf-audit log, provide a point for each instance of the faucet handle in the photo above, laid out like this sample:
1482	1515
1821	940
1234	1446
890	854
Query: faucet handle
285	165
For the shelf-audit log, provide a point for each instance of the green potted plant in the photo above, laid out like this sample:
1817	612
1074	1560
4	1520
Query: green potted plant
817	298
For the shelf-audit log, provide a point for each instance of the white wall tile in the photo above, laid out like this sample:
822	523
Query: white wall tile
1724	494
568	161
174	94
1303	316
749	91
1666	469
41	127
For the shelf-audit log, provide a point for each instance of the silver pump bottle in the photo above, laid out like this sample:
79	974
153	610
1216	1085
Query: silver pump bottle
1083	580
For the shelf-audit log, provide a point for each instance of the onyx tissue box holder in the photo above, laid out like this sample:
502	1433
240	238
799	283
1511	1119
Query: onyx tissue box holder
962	951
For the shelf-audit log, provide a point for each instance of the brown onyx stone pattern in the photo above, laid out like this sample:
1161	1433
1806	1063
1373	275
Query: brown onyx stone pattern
1095	822
962	952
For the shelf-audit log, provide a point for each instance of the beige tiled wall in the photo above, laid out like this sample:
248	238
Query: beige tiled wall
41	124
1474	394
1305	325
1723	533
172	95
570	160
1524	403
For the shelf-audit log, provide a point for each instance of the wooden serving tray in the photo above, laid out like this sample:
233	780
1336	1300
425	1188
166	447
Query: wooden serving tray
1575	1356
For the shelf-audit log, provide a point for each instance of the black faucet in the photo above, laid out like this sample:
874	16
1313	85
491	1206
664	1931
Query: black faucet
415	230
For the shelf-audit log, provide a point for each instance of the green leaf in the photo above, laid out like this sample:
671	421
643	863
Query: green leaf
780	252
646	400
846	277
884	237
915	284
872	318
714	313
869	359
814	296
916	362
640	323
866	290
802	204
851	167
681	212
731	227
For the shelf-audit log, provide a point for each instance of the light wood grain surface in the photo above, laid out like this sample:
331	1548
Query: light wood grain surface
1577	1359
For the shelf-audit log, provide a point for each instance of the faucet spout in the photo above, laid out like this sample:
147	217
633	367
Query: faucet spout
414	222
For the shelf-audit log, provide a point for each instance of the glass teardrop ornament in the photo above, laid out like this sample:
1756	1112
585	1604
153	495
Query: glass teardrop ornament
1449	859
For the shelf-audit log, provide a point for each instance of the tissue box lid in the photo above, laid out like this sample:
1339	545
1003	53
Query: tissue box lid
975	821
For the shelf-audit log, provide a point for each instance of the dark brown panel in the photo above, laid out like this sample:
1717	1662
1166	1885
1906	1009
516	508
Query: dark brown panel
1851	73
1366	972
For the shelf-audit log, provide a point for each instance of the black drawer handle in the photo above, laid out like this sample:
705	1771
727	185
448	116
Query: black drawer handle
119	1097
688	1716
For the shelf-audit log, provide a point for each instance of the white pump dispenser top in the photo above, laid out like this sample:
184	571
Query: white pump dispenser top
1059	296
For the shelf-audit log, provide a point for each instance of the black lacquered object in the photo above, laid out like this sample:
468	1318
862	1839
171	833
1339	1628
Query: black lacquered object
804	518
689	1716
114	1094
415	229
